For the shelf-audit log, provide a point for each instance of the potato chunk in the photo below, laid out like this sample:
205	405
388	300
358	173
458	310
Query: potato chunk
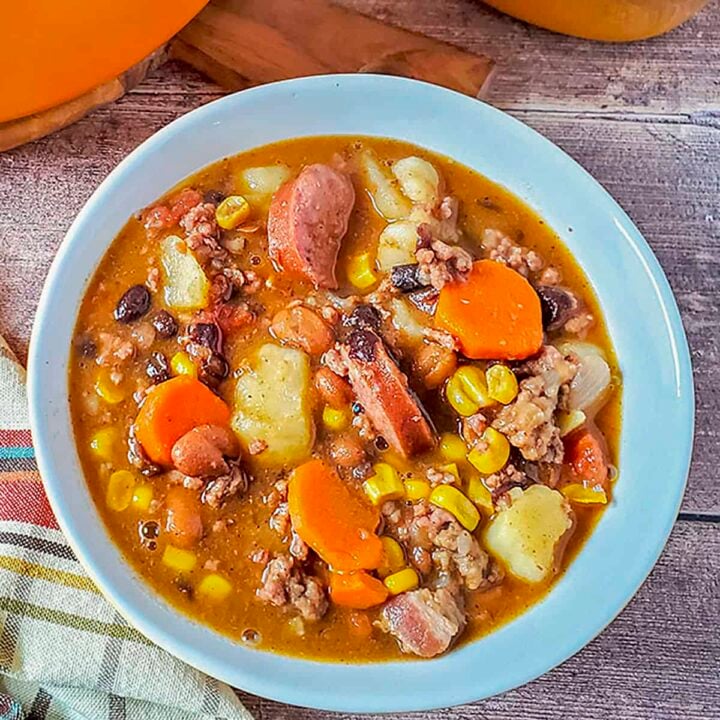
258	184
186	286
530	536
396	245
418	179
382	186
272	404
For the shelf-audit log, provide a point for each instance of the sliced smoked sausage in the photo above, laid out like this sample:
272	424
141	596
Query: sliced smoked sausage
307	221
383	391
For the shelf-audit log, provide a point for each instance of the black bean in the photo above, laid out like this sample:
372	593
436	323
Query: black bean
213	370
149	530
206	334
158	368
381	443
255	260
133	304
362	345
364	316
558	305
165	324
214	196
86	347
406	277
425	299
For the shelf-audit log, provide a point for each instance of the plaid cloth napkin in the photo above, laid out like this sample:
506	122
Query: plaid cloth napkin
65	653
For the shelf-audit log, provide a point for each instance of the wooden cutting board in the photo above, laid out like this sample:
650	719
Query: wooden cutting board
239	43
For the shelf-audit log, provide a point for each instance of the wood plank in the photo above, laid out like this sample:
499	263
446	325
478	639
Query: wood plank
537	69
541	70
658	171
660	658
267	40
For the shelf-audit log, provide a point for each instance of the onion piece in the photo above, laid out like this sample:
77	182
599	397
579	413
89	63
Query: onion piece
591	386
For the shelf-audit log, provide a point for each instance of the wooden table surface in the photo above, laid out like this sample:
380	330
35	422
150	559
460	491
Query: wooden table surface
644	119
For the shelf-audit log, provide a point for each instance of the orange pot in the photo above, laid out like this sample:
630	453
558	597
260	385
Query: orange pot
612	20
54	51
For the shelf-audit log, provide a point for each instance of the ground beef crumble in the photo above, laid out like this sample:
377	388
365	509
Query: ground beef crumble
529	421
499	247
285	583
439	546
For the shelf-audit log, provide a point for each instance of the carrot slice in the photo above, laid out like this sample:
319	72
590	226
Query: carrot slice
358	590
172	409
336	522
494	314
586	455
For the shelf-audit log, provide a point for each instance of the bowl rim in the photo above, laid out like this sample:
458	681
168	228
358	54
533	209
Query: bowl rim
336	686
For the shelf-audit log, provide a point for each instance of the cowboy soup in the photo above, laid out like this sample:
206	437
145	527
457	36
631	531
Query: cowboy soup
346	399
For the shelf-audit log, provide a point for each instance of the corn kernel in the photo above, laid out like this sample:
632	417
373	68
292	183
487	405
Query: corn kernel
181	364
120	490
393	556
402	581
451	499
104	442
232	211
360	271
479	494
494	458
451	468
569	421
179	559
466	390
417	489
578	493
384	485
452	447
142	496
336	419
107	389
502	384
214	587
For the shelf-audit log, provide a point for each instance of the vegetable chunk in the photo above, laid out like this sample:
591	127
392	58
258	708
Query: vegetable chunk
272	404
495	314
333	519
531	535
186	285
172	409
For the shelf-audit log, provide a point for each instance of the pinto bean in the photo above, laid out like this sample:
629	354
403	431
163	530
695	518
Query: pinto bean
300	327
346	451
182	516
200	452
434	364
334	390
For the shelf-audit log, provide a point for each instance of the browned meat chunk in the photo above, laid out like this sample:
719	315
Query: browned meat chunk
284	583
383	391
425	623
307	221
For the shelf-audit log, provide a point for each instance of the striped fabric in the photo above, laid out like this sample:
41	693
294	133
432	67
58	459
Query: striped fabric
65	653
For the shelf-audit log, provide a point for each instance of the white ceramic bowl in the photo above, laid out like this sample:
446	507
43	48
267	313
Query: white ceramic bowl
641	313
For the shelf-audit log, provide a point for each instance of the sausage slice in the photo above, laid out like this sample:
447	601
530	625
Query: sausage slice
307	221
383	391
